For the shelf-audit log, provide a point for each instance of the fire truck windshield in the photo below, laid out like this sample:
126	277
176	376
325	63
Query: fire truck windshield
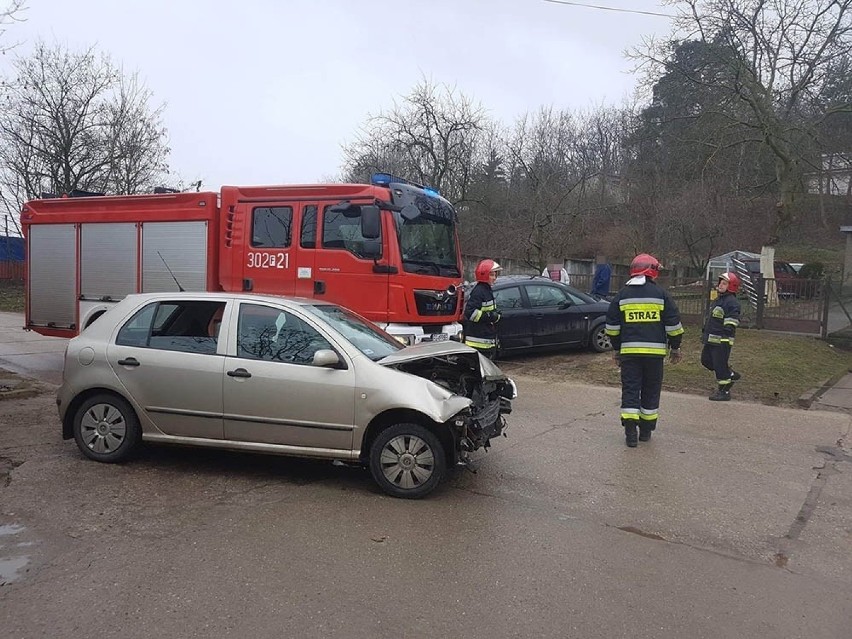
427	237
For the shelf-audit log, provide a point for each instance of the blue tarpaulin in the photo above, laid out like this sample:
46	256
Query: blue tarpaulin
11	249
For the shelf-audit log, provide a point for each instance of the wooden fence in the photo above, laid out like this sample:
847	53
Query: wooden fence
11	270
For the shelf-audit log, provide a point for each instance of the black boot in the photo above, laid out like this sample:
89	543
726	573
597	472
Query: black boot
630	435
735	375
645	432
722	394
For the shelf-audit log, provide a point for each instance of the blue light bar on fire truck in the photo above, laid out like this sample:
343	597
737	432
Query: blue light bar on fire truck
385	179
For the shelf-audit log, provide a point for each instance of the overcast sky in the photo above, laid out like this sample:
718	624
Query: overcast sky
266	91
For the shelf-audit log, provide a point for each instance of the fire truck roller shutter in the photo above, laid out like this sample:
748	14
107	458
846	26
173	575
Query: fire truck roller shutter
107	261
51	254
180	245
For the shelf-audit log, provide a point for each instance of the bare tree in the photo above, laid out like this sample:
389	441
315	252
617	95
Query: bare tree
545	169
774	58
430	137
11	13
140	158
73	121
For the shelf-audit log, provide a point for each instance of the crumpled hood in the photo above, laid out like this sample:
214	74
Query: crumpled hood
427	350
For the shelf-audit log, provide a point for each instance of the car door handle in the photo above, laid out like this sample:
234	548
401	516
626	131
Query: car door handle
128	361
240	372
539	316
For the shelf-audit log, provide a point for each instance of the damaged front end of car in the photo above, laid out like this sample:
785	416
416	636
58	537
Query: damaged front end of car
464	372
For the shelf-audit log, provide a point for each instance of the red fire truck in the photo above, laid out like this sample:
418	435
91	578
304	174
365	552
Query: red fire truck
388	250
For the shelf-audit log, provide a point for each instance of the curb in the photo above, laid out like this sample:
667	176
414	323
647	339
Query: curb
12	388
806	399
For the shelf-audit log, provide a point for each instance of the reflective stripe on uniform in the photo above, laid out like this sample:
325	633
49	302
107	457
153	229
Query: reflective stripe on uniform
642	348
642	303
485	307
480	342
612	329
648	414
629	413
718	339
730	321
674	329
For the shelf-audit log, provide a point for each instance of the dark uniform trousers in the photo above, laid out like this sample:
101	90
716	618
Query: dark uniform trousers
641	383
715	357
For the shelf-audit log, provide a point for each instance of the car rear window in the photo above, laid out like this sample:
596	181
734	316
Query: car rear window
508	298
186	326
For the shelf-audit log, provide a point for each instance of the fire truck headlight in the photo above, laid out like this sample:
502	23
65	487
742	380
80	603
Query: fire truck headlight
408	340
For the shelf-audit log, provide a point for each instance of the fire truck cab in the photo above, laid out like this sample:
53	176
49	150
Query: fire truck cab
388	250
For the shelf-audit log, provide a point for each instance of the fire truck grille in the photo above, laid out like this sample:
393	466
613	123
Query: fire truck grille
435	302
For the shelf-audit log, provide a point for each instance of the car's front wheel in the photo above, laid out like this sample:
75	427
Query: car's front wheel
599	340
106	429
407	460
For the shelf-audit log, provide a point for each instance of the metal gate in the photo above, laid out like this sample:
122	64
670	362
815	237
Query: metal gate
797	305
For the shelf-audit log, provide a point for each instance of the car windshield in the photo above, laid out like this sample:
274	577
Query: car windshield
587	299
362	334
427	237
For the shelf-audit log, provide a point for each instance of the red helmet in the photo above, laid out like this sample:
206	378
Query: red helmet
733	281
486	268
644	264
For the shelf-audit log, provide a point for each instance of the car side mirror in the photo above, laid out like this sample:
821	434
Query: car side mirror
326	358
565	304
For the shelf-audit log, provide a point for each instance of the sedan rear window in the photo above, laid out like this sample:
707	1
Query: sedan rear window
508	298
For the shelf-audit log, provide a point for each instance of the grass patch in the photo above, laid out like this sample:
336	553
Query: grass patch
11	296
777	368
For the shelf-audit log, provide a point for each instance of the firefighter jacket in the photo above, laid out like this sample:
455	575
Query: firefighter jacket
722	320
643	319
480	318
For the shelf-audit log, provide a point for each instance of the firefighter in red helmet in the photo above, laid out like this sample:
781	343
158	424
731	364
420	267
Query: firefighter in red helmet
480	311
643	324
718	335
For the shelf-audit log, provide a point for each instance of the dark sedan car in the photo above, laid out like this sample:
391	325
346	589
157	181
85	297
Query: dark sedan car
538	313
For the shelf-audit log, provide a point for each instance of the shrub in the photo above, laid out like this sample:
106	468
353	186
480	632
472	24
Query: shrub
812	270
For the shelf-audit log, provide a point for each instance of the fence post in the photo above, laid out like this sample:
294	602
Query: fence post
760	291
826	299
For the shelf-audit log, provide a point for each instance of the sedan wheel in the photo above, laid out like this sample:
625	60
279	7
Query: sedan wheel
106	428
407	460
600	341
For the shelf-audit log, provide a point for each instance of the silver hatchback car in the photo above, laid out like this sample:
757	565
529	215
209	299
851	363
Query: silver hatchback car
282	376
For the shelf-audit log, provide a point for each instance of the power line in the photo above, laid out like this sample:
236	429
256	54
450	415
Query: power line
601	7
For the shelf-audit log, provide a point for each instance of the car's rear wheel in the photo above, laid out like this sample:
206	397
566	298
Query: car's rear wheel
407	460
599	340
106	429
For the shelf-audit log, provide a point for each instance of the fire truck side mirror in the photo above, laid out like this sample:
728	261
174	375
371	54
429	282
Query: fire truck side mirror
370	222
372	249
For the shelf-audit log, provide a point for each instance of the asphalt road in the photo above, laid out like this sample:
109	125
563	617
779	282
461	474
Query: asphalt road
734	521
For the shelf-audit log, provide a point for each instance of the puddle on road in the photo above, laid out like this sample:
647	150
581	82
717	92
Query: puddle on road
10	529
11	567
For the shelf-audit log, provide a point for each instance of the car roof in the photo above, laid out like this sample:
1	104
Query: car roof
509	279
223	296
